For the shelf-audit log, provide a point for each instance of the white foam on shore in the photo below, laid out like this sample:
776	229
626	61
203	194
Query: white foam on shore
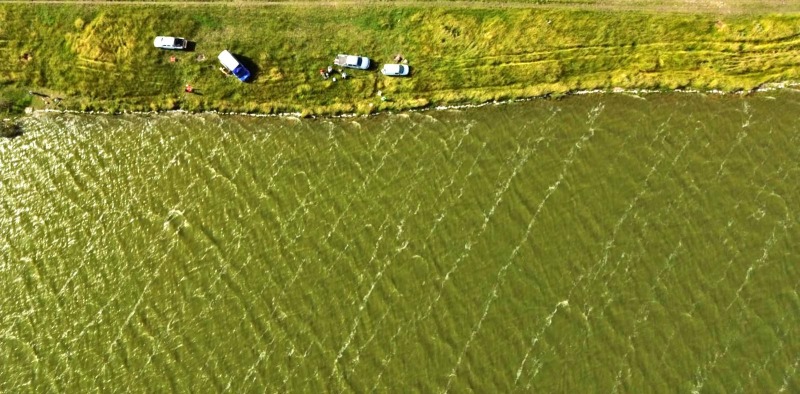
768	87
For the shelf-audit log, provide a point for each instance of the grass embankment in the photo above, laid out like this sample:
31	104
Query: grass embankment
102	57
687	6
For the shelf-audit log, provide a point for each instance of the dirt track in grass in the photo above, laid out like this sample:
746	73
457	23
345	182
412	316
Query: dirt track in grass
686	6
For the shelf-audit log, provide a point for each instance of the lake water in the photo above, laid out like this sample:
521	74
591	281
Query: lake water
604	243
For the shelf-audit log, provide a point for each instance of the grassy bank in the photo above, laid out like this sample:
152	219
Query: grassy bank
101	57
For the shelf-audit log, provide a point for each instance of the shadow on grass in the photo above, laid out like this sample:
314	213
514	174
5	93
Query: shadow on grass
190	46
250	65
10	130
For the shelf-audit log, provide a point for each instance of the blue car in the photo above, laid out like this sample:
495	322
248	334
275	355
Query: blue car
233	65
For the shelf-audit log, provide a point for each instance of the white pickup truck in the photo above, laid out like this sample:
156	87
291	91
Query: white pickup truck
170	42
360	62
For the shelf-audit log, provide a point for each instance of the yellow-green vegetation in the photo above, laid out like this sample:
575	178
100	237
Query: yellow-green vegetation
101	57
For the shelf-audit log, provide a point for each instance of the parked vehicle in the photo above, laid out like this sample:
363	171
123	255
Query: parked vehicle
233	65
170	42
360	62
395	69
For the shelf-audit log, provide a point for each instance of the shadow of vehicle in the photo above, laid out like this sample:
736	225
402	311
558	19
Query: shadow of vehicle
10	130
190	46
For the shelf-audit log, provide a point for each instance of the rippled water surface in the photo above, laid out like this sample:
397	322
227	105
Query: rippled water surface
594	244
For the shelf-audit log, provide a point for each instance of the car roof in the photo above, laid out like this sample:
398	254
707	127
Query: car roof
228	60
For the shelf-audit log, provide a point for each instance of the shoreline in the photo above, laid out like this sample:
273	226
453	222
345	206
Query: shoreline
769	87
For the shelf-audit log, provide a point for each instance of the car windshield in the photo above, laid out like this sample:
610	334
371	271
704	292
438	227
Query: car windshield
178	42
358	61
402	69
241	72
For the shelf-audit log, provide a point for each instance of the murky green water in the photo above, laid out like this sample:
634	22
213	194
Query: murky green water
594	244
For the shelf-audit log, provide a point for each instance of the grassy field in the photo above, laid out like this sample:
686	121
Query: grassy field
716	6
101	57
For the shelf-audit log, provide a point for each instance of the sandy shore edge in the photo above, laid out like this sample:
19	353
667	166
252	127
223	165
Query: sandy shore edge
770	87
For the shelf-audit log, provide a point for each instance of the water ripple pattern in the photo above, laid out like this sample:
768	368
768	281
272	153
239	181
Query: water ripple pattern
593	244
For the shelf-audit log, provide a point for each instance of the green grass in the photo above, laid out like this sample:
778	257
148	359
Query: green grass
13	101
102	58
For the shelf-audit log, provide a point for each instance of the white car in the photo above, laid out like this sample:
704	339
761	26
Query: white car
170	42
395	69
360	62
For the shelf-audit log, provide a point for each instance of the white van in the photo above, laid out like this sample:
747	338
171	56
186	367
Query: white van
233	65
